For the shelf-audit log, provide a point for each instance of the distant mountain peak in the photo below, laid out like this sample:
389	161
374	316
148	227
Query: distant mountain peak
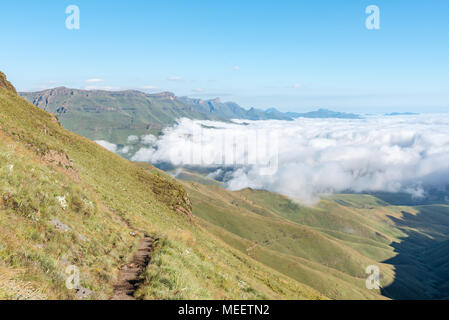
401	114
272	110
324	113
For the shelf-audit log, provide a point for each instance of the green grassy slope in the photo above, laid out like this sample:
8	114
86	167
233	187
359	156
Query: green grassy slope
329	246
67	201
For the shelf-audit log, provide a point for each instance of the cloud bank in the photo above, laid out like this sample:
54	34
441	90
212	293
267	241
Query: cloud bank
316	157
95	80
107	145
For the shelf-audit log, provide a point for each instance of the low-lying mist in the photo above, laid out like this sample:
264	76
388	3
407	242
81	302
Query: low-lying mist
306	159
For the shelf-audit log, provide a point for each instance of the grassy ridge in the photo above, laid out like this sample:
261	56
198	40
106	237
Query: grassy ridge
67	201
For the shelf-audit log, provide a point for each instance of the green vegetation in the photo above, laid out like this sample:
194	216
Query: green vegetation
67	201
328	246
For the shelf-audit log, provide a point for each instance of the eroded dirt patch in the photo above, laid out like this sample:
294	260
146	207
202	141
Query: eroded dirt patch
63	161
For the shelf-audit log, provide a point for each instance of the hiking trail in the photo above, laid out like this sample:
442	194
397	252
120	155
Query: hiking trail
129	278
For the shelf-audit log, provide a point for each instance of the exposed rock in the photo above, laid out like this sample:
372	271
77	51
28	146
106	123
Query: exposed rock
183	211
60	226
63	202
82	238
83	293
65	262
61	160
166	95
58	158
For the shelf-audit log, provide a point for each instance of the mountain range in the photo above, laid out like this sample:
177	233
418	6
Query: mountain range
115	115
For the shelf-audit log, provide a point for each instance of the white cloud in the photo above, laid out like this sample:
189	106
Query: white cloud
297	85
149	87
95	80
144	155
198	90
318	157
104	88
107	145
174	78
133	139
236	68
148	139
125	150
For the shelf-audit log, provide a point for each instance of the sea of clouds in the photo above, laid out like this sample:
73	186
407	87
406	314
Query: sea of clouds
306	159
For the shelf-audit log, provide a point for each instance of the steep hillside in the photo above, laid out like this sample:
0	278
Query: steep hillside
329	246
66	201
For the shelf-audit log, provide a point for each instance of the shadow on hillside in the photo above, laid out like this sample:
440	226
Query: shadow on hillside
406	199
415	277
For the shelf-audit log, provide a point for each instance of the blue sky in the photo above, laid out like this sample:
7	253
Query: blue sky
292	55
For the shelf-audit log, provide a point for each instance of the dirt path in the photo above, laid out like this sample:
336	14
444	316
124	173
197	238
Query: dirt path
129	278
